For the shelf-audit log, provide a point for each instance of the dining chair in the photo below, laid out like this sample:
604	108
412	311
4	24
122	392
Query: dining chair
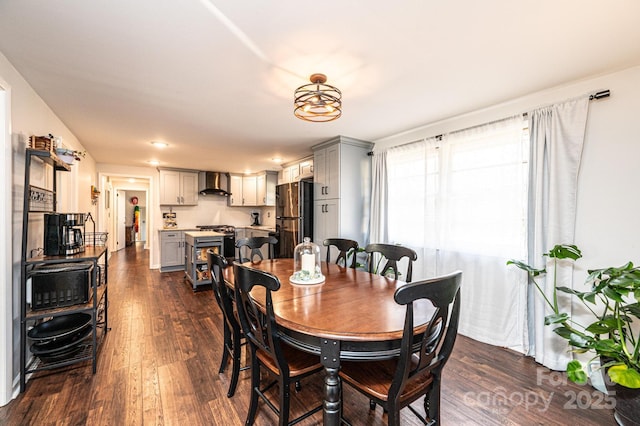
232	333
255	244
283	362
346	247
396	383
391	253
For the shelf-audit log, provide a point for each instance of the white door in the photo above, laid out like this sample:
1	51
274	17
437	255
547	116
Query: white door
121	217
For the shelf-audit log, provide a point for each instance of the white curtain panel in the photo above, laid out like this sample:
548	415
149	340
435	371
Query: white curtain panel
378	222
557	137
460	202
482	215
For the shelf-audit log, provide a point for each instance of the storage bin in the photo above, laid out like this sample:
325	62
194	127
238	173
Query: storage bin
61	284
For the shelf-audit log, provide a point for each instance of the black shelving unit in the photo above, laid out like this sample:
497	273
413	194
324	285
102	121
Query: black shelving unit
39	201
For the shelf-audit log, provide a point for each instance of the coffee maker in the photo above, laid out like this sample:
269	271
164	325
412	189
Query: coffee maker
256	219
63	234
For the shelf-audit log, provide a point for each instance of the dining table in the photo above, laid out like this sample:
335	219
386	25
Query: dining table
352	315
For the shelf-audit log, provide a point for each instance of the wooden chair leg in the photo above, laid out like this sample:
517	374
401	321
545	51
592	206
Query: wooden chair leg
432	403
227	345
255	386
285	394
235	372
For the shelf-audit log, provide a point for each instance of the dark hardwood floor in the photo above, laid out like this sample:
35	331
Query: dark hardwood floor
159	366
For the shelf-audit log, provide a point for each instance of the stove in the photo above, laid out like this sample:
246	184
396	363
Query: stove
223	229
229	242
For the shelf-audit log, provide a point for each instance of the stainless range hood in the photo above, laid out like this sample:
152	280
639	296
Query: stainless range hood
213	183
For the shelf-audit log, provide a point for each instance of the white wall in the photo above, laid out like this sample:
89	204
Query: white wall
608	223
30	115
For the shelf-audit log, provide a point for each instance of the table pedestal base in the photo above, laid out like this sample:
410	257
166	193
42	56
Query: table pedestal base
330	358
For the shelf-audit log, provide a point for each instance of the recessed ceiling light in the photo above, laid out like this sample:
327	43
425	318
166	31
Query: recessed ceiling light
131	180
159	144
153	162
276	160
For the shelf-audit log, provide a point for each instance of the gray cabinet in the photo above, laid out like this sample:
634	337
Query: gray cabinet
342	186
196	245
178	187
171	250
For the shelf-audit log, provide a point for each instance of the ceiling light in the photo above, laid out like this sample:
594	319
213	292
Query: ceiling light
159	144
276	160
317	101
153	162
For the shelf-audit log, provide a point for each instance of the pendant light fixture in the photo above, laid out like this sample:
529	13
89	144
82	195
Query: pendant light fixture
317	102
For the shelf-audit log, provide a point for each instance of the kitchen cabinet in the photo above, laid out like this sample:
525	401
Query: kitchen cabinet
178	187
306	169
172	250
266	188
326	175
326	217
56	291
253	190
294	172
342	186
249	191
196	245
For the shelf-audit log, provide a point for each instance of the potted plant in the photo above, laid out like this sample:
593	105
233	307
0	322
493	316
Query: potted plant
613	337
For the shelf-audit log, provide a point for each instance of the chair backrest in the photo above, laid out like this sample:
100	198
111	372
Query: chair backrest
255	244
346	248
391	254
436	342
216	265
259	326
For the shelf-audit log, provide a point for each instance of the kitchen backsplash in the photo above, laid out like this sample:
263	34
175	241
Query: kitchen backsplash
213	210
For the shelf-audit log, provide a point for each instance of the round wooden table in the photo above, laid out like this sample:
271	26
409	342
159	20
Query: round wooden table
352	315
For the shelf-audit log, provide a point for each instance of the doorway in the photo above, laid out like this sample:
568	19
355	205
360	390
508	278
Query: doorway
126	210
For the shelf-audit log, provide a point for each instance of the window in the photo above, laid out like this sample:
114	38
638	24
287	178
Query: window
460	201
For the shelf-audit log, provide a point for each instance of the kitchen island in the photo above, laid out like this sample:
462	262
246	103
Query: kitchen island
196	245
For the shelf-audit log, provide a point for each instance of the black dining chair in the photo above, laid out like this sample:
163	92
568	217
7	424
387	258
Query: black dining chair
391	254
232	333
254	244
417	372
283	362
345	247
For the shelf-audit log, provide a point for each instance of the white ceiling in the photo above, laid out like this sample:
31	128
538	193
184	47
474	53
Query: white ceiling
215	78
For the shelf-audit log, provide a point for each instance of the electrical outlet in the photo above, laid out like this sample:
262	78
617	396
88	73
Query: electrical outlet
268	214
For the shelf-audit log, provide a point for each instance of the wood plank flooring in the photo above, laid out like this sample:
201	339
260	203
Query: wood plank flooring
159	366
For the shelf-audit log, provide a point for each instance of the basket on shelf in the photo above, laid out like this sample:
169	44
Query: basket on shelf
95	239
42	143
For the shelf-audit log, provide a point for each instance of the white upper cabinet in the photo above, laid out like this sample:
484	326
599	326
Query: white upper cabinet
293	172
178	187
249	191
253	190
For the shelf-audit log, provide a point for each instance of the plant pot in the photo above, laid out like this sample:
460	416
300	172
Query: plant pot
627	408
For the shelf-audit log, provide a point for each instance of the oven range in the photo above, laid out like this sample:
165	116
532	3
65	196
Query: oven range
229	231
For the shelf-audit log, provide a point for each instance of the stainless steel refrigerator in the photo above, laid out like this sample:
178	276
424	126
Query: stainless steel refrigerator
294	215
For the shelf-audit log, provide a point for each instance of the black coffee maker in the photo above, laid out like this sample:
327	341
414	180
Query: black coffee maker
63	234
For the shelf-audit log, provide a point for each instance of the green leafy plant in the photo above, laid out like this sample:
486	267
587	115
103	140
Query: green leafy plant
613	299
363	266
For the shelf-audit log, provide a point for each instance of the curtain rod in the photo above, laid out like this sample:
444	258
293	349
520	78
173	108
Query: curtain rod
598	95
601	94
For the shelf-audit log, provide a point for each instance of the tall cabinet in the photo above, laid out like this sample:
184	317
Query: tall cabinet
342	186
64	318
